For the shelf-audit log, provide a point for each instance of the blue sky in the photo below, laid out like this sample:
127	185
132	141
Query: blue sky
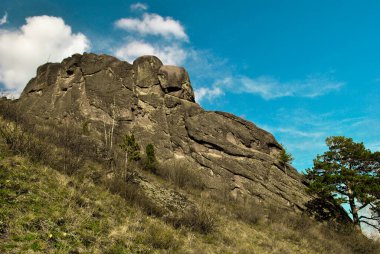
303	70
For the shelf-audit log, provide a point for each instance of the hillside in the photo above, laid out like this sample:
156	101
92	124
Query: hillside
102	156
44	211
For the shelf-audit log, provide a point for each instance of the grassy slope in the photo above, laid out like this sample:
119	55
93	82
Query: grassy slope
44	211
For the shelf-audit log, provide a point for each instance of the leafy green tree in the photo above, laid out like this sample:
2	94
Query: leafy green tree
131	149
285	158
351	174
150	158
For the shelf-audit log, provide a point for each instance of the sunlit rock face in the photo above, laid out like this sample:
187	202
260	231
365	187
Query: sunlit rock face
156	102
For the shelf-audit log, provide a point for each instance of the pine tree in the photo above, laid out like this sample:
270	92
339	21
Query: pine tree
351	174
131	149
150	158
285	158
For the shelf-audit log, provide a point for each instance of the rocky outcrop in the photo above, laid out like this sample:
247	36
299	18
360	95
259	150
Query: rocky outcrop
156	103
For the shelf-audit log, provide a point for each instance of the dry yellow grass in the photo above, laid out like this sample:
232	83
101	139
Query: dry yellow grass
44	211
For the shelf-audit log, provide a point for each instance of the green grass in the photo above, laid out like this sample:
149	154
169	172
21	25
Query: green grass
44	211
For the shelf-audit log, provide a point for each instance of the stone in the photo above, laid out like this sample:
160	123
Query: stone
175	80
157	104
146	69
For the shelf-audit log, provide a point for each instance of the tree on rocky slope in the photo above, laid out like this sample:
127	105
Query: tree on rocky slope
285	158
150	163
131	149
351	174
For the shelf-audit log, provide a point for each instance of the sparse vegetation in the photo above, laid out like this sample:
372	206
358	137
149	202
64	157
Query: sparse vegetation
196	219
251	213
179	173
85	218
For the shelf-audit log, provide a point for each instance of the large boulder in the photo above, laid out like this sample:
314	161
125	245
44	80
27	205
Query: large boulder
175	81
146	69
156	103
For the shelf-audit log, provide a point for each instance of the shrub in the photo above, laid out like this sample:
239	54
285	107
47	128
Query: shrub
197	219
150	161
21	142
58	147
132	192
251	213
131	148
179	173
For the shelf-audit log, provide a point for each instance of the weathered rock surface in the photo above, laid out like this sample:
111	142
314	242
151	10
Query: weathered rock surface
156	103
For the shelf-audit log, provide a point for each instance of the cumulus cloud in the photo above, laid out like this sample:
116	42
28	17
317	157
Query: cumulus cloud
41	39
4	19
203	93
270	88
138	7
210	93
154	24
168	43
173	54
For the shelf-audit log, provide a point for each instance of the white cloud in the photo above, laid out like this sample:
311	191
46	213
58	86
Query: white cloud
4	19
269	88
138	6
41	39
154	24
207	93
173	54
299	133
169	47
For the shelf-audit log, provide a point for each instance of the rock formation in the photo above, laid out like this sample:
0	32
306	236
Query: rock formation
156	103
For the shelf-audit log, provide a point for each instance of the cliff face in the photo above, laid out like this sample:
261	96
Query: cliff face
156	103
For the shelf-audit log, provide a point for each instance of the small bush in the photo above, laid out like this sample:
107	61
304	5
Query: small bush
150	163
131	148
132	192
180	173
250	213
197	219
62	148
21	142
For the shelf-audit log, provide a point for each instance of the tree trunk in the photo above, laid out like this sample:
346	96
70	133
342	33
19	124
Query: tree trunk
354	210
